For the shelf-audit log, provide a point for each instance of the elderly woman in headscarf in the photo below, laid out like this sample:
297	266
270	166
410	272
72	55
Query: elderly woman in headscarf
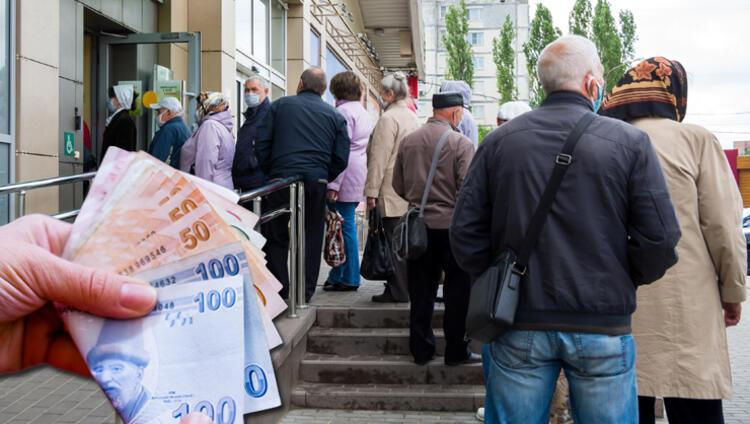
468	125
120	129
208	154
680	324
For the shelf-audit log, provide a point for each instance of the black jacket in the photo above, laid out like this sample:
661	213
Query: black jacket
120	133
246	172
303	135
611	228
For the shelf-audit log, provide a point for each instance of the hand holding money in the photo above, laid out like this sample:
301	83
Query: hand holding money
204	347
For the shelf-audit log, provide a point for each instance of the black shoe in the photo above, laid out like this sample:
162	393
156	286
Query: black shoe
340	288
327	284
473	358
424	361
385	298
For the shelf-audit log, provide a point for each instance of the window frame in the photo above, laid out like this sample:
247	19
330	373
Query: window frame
319	59
476	10
9	139
476	34
474	60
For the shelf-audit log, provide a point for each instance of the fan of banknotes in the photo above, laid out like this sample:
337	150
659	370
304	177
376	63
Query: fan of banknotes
205	346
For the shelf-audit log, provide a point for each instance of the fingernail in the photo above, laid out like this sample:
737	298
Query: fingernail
137	297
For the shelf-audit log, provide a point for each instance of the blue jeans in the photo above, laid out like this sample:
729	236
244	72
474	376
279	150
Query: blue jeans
348	273
524	366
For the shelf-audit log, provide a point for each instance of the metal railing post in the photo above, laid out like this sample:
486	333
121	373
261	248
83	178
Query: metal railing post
302	290
256	206
21	203
293	249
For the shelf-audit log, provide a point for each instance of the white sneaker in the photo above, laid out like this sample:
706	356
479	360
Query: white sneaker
480	414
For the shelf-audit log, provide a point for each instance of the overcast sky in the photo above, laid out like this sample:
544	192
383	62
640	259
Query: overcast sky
712	41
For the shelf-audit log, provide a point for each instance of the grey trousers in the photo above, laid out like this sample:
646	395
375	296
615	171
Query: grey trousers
398	285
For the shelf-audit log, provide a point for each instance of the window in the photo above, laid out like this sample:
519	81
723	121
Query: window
278	37
443	9
441	62
260	30
476	38
478	62
440	42
475	14
6	104
243	21
334	65
314	48
277	92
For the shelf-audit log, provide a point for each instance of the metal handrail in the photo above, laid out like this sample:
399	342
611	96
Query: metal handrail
296	210
46	182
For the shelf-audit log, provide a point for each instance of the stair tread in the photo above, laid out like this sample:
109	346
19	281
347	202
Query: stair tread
364	332
370	359
390	389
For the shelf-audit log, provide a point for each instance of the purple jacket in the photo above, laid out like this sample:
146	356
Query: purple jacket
211	150
351	183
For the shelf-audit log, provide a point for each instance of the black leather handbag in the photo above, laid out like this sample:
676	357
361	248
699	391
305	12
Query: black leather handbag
376	260
494	295
410	234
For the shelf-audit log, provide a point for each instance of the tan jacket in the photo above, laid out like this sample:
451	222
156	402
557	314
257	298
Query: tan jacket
413	166
678	325
397	121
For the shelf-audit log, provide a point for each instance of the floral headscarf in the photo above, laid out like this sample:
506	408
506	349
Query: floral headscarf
655	87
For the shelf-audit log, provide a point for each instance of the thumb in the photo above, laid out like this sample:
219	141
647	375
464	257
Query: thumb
196	418
88	289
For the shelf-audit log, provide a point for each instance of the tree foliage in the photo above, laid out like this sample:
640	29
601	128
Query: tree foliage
607	40
459	64
504	56
628	35
541	32
579	20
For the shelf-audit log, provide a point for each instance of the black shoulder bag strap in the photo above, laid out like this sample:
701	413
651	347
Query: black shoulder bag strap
562	163
433	169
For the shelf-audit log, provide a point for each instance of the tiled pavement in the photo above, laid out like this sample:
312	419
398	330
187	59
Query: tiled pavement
45	396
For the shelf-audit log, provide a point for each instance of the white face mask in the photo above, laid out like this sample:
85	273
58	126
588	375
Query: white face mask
252	99
160	119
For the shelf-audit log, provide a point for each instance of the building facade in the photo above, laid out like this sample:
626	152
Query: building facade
58	58
486	18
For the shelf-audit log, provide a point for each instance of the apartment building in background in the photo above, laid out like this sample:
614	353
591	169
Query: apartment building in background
486	18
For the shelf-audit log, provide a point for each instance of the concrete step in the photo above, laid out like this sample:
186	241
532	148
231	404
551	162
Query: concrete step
364	341
418	397
381	316
384	369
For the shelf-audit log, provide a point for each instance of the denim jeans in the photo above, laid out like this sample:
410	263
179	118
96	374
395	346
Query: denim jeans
524	366
348	273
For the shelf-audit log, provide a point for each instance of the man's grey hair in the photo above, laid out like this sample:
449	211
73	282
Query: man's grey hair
564	62
259	79
396	82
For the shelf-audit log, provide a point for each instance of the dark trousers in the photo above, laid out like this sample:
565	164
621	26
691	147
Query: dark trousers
683	411
424	279
397	285
276	233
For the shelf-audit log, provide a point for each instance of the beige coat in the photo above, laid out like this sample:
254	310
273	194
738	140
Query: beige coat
395	124
678	325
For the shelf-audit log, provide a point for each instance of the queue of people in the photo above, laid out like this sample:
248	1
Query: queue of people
647	215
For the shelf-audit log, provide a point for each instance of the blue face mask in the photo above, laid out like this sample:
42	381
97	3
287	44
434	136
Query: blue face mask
252	99
111	107
598	102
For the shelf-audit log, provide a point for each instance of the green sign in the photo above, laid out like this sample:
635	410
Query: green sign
69	139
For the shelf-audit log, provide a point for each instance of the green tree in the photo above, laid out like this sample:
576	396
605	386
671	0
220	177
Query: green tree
459	64
541	32
628	35
579	20
504	57
608	43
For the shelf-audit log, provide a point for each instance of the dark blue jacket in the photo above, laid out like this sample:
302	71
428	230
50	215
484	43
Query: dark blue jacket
246	172
168	141
303	135
612	225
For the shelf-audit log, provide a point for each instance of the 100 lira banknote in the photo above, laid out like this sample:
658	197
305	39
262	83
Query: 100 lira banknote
182	357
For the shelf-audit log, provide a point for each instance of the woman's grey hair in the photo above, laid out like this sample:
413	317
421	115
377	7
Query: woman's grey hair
564	62
259	79
396	82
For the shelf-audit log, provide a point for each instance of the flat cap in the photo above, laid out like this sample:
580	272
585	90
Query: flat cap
447	99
